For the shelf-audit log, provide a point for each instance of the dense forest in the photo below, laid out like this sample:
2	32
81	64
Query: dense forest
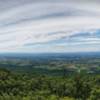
15	86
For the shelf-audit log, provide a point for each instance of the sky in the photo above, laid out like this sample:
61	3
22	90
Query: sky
49	26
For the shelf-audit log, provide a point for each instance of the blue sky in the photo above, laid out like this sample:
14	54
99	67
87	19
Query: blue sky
49	25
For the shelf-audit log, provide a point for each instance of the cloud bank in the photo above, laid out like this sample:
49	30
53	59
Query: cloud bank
49	25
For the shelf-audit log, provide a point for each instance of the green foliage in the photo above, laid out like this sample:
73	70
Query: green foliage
15	86
95	94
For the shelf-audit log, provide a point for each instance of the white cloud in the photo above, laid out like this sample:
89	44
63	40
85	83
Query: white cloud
41	22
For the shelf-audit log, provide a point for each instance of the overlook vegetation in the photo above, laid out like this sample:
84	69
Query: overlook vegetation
15	86
50	79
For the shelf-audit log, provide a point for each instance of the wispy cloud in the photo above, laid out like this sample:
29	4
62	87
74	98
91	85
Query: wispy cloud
28	25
